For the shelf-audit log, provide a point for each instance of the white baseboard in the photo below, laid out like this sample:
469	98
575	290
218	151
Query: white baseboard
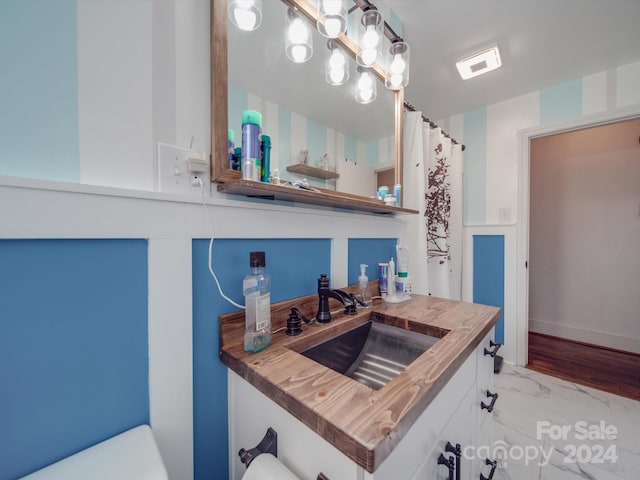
586	336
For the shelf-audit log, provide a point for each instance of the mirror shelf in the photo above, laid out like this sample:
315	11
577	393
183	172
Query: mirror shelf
324	198
310	171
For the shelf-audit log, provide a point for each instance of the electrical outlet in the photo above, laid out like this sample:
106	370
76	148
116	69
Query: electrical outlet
180	169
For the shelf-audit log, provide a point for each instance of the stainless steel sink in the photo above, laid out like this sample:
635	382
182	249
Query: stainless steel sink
373	353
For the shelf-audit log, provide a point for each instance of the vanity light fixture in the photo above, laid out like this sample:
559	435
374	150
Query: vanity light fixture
245	14
337	65
298	41
332	18
479	63
397	66
370	37
365	86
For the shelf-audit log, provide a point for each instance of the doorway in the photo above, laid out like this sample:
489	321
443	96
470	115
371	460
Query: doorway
583	231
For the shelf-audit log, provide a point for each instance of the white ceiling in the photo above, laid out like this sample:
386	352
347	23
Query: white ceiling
542	43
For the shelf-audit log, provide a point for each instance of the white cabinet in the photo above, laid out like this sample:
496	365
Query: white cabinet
454	416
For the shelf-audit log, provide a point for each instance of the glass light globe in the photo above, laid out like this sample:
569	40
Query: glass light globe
366	95
245	19
398	64
336	60
333	27
337	76
365	82
370	39
298	31
299	53
369	56
396	80
245	14
332	18
332	7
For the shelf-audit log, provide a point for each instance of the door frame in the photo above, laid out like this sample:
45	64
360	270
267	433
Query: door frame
522	249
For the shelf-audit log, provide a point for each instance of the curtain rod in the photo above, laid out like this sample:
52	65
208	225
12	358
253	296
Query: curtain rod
411	108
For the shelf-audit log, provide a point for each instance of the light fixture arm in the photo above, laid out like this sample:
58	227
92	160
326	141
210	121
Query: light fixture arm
365	5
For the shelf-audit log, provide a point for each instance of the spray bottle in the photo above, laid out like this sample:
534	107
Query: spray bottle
363	281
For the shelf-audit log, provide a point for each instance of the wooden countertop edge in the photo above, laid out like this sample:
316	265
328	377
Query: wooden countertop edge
370	435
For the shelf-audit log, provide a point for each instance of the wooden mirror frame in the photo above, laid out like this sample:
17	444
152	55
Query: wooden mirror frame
220	172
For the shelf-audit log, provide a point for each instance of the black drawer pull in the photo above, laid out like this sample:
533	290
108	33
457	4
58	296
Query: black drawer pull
457	451
494	464
494	397
449	463
496	347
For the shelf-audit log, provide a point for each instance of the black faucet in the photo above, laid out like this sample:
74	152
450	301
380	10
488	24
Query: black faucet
324	293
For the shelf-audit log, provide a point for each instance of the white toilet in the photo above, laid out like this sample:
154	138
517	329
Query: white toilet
131	455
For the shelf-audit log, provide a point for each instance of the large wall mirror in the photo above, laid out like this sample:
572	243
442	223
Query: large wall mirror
301	111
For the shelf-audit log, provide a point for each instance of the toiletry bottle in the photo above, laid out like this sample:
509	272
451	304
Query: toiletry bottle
397	192
363	281
257	296
403	282
237	158
251	156
275	176
383	278
232	147
391	284
266	158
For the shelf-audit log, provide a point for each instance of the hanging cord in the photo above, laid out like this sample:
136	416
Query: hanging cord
210	262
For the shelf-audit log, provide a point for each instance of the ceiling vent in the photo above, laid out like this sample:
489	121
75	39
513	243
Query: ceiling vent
479	63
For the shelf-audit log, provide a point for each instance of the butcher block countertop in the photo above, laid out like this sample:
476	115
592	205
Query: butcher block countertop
362	423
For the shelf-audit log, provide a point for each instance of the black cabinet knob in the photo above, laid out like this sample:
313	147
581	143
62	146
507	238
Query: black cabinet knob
495	346
494	464
448	462
493	397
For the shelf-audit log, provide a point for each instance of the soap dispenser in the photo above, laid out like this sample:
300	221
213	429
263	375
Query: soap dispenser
363	281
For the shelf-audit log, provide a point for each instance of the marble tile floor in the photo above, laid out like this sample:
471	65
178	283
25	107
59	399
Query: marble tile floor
546	428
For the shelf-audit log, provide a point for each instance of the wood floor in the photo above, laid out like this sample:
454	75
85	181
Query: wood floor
598	367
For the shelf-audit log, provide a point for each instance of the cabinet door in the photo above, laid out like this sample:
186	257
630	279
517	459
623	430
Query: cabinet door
412	451
460	430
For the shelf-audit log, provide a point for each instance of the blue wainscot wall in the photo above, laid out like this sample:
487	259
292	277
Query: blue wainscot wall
74	365
73	347
488	275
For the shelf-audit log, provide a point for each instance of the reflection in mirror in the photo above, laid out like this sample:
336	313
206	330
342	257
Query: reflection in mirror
220	171
309	120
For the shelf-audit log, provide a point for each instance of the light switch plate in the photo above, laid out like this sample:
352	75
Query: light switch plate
173	170
505	215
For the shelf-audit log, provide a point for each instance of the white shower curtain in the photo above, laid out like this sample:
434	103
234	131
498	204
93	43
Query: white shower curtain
433	185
